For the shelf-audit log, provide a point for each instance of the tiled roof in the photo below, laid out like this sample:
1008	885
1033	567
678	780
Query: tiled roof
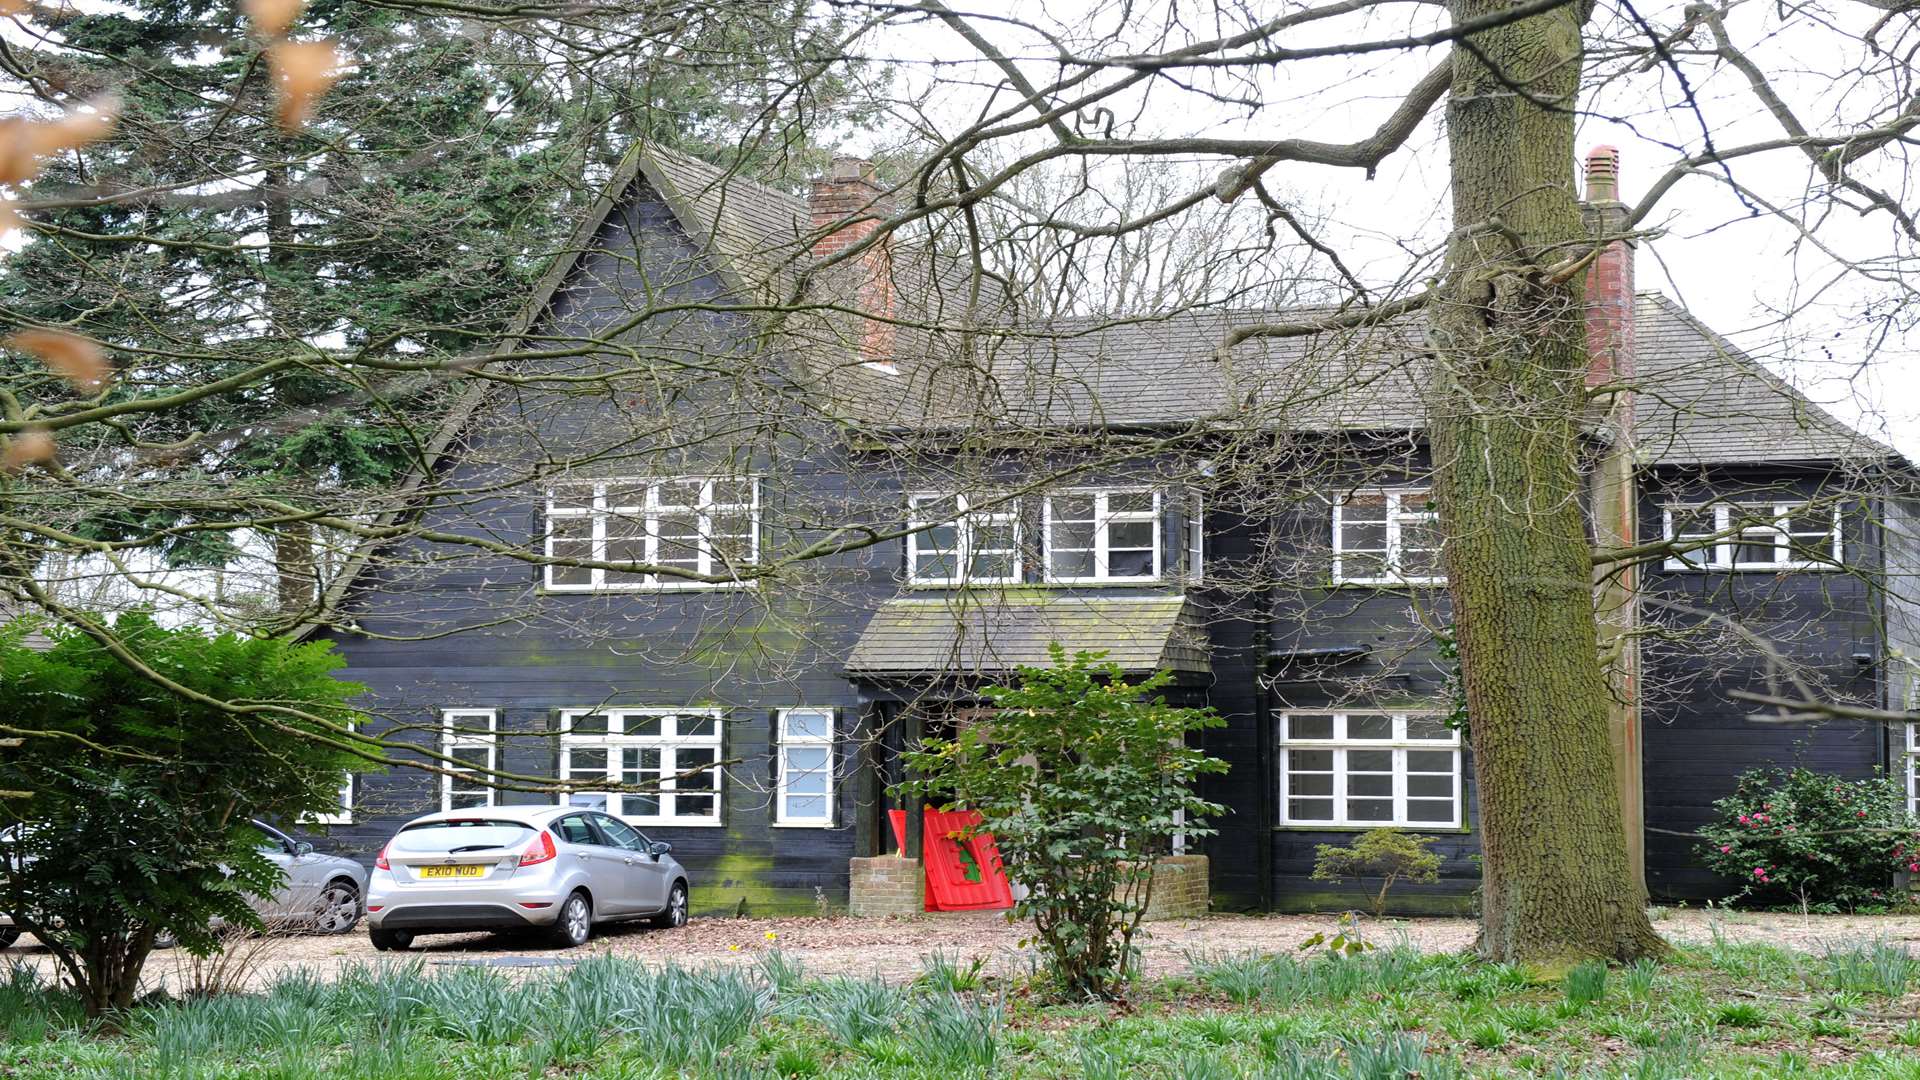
977	633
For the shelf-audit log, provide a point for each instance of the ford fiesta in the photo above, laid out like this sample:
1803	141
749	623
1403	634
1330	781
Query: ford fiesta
555	869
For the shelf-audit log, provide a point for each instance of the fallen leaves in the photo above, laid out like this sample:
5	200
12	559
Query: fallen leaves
302	72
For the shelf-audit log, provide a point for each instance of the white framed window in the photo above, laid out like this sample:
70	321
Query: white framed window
1197	539
803	792
1754	536
471	737
701	525
1369	769
954	544
342	814
1102	536
672	755
1912	760
1386	536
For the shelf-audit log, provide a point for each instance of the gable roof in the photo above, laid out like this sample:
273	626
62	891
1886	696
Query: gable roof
978	633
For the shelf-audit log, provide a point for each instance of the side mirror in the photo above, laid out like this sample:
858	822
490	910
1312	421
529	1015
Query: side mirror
659	848
302	848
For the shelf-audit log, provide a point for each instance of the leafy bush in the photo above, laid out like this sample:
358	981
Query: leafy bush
128	799
1387	854
1083	778
1812	840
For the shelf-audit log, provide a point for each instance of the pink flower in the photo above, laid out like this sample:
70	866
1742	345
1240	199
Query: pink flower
1766	806
1914	867
1859	813
1760	871
1789	828
1743	819
1724	848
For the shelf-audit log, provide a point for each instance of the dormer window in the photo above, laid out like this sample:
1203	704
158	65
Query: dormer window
952	543
1387	536
1768	535
1098	537
707	526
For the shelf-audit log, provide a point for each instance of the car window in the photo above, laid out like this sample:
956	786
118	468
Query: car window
621	834
575	830
464	834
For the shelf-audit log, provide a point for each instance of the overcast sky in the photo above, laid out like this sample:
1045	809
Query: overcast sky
1736	269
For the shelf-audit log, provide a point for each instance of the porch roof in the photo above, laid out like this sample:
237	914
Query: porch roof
980	633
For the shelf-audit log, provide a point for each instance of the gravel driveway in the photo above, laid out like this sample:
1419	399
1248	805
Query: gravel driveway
893	948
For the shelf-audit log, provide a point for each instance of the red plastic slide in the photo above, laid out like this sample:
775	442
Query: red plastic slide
963	873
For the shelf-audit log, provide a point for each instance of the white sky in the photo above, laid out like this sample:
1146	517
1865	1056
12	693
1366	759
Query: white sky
1737	271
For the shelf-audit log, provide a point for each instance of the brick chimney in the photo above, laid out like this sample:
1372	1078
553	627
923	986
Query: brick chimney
848	206
1609	286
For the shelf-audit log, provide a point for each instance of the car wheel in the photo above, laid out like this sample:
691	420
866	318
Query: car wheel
390	940
338	909
575	924
9	935
676	913
165	941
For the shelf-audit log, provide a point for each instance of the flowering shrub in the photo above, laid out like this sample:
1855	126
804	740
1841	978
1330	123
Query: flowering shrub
1812	840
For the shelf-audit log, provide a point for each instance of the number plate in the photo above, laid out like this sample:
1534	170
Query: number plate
453	871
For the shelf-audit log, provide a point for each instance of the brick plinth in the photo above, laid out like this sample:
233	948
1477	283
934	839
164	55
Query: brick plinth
886	885
1180	889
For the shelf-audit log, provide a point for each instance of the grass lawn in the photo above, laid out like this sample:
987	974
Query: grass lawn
1723	1010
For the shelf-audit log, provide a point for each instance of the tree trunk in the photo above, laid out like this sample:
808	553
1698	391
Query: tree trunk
1506	410
293	541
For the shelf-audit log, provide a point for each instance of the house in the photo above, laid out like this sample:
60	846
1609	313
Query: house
972	482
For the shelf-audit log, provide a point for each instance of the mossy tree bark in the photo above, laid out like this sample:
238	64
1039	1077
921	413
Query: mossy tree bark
1506	413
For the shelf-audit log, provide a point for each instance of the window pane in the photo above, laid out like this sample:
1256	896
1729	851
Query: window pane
809	724
1130	502
1364	506
590	724
806	760
627	495
1066	564
1429	785
990	566
679	493
571	497
1369	726
697	725
691	758
1428	727
1310	726
738	492
647	805
471	757
1370	809
1305	783
993	536
1429	810
1370	784
1072	534
807	806
679	533
1310	760
572	539
1432	761
1370	761
467	799
584	764
931	566
1072	508
1310	809
1357	537
591	799
1130	534
642	724
1130	563
693	805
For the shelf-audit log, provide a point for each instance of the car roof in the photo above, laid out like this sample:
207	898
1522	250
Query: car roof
531	815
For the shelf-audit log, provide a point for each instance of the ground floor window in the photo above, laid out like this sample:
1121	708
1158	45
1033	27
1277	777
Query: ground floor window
672	755
1365	769
471	738
804	792
1912	760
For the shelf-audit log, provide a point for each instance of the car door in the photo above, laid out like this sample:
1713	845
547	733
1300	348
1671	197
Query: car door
277	847
648	876
606	877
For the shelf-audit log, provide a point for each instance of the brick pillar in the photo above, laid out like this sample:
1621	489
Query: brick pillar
886	885
848	206
1180	888
1613	488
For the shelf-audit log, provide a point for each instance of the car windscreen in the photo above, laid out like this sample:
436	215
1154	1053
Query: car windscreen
464	834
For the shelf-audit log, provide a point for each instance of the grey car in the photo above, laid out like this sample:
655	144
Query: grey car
554	869
323	893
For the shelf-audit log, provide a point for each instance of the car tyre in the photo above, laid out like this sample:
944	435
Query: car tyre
9	935
390	940
165	941
575	924
675	914
338	909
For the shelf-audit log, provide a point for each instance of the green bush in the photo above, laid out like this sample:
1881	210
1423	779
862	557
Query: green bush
1388	855
1810	840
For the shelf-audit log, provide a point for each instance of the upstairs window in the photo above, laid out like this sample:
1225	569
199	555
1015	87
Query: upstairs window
1387	536
471	738
708	526
1369	769
1754	536
1103	536
1912	760
804	792
1197	540
671	755
954	544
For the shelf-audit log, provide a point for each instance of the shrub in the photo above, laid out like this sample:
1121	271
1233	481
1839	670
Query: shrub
1387	854
1811	840
1083	778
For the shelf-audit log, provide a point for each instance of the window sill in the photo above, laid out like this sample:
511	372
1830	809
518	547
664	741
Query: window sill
1370	826
803	825
1752	568
616	590
669	823
1389	583
1127	583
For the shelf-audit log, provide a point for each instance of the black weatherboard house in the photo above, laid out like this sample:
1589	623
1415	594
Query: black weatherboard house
979	482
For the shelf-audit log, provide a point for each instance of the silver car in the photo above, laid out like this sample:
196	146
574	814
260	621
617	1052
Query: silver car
557	869
321	892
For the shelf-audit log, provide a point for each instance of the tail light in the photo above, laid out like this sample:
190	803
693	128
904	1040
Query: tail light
541	850
380	861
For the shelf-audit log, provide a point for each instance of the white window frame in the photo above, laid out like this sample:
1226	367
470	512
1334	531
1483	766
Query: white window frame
965	520
451	740
1720	554
1912	760
1102	536
1197	539
785	741
1396	516
669	745
343	814
648	512
1399	745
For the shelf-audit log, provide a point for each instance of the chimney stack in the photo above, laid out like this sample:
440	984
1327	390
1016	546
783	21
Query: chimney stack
848	206
1609	283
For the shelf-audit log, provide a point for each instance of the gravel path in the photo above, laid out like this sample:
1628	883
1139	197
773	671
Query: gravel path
893	948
